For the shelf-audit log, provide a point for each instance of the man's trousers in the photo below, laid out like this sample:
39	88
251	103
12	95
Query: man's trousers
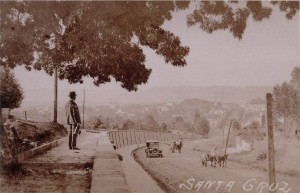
72	137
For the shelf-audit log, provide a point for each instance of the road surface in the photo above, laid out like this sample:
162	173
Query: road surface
184	173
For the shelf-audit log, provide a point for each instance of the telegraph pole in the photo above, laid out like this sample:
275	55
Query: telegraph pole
55	95
228	136
271	151
83	108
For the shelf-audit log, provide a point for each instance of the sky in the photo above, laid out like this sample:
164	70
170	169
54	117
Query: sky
266	55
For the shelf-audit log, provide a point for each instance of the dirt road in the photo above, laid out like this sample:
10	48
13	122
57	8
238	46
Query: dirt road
138	180
184	173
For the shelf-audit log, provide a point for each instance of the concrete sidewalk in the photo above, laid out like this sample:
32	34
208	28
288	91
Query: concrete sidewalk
61	154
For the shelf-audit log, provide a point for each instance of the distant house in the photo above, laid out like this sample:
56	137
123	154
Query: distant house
220	112
120	113
212	119
164	108
256	105
254	111
227	106
131	115
251	117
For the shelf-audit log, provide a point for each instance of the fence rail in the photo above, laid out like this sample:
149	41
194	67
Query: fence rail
121	138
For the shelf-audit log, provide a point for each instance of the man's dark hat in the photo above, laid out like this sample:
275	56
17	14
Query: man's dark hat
72	93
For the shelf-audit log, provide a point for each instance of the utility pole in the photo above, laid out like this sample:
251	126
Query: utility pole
228	136
83	108
271	152
55	95
223	135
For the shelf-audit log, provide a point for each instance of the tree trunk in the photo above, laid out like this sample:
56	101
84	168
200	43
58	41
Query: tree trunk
55	96
1	120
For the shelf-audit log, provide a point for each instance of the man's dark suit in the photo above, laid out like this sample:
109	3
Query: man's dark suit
73	119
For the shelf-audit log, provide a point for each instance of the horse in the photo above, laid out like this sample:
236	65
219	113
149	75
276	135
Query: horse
204	159
176	145
222	159
207	157
213	159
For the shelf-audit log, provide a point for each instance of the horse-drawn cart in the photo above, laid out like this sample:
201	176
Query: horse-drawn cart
177	145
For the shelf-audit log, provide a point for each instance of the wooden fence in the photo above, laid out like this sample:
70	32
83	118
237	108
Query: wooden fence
122	138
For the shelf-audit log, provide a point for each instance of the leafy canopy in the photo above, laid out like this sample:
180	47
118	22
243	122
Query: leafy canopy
101	40
287	97
233	15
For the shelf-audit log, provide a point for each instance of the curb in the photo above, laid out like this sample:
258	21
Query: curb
39	150
107	175
36	151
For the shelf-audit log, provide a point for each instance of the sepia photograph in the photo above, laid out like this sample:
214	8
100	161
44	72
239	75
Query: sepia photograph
149	96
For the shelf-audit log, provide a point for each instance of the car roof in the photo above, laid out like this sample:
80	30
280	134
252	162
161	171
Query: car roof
152	141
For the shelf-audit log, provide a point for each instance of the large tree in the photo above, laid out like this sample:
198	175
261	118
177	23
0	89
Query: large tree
101	40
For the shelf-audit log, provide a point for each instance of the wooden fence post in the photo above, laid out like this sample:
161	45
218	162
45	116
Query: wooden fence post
130	137
123	139
115	138
271	151
134	134
119	140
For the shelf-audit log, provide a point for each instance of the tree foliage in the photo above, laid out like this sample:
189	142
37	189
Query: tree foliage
164	127
233	15
101	40
295	80
11	93
150	123
129	125
201	125
285	100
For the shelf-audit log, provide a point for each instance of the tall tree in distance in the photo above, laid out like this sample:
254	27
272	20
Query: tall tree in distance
201	125
287	101
295	82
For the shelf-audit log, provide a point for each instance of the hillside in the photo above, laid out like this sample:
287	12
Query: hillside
100	96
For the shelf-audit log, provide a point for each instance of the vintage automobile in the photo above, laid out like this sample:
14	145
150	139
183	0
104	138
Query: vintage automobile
152	149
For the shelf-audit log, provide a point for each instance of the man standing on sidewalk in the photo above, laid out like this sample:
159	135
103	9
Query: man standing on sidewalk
73	119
